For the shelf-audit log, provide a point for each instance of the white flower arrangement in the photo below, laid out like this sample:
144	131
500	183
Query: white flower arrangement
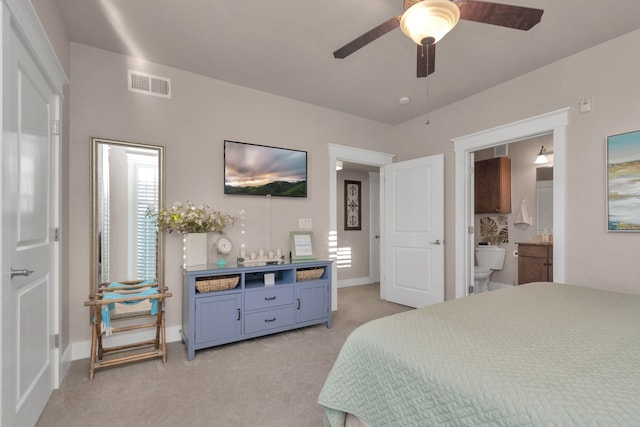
187	218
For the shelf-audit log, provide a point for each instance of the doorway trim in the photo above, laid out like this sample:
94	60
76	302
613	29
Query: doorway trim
555	123
353	155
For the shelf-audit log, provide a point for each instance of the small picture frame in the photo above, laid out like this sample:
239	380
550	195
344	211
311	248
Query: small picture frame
301	245
269	279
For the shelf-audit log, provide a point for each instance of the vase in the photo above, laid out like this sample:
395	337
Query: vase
195	249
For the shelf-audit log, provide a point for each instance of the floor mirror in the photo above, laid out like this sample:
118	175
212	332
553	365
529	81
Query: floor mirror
127	182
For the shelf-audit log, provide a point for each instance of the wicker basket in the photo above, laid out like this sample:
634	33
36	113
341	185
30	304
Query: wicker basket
309	274
218	283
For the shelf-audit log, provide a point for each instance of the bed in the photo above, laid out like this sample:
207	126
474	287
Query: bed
539	354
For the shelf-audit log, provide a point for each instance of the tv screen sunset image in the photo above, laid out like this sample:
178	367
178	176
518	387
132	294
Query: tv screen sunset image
260	170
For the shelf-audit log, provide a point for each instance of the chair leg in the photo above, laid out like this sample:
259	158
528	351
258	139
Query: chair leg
159	323
92	358
164	341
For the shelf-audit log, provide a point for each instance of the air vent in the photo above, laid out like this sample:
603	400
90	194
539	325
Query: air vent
149	84
501	151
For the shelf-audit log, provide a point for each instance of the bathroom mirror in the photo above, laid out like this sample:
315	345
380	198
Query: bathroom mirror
544	200
126	180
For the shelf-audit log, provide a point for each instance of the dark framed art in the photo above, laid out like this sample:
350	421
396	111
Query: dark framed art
623	182
352	205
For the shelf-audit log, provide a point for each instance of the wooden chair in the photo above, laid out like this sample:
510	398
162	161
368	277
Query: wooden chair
126	294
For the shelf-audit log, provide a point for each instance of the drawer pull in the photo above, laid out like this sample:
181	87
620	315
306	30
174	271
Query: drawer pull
238	315
269	298
269	320
298	303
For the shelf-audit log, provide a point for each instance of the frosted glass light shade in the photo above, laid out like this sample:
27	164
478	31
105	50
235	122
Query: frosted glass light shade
429	19
542	157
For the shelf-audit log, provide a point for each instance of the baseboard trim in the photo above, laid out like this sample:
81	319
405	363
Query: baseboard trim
82	350
65	363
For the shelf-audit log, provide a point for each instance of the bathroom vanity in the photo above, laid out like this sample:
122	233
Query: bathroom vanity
535	262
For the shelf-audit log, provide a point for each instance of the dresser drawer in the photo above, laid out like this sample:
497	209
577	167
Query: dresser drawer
267	298
269	319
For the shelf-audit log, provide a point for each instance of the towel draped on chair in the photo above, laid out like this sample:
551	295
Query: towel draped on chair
106	309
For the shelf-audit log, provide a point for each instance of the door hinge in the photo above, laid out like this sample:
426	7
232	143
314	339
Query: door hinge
55	127
470	289
470	229
56	341
56	234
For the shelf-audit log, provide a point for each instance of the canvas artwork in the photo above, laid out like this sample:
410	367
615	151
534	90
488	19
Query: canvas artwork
623	182
494	230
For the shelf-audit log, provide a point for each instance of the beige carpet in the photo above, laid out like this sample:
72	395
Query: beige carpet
272	381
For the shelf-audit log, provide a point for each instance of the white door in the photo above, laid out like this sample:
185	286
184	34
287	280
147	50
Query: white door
374	211
413	233
28	215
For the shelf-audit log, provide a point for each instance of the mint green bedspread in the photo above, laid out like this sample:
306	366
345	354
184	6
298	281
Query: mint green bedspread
533	355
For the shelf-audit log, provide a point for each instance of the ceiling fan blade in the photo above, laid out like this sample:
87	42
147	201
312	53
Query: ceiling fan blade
426	56
367	38
504	15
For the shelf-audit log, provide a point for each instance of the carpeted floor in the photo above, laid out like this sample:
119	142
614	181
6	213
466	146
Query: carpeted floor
273	381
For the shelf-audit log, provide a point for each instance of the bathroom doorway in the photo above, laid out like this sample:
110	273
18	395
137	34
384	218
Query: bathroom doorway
554	123
531	213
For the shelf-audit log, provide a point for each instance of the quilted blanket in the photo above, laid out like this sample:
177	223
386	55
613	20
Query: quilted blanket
533	355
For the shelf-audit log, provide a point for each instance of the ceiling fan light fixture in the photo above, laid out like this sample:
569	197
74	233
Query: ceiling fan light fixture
429	19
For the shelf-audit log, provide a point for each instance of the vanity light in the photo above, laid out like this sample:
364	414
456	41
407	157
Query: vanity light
542	156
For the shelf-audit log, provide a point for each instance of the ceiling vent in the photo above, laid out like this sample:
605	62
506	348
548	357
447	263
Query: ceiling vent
149	84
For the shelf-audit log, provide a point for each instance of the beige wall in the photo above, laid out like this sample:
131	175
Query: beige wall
604	73
192	126
357	241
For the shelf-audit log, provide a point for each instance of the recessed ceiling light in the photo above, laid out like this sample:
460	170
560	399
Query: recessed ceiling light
404	100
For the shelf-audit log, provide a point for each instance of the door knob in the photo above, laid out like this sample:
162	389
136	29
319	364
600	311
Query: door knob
20	272
437	242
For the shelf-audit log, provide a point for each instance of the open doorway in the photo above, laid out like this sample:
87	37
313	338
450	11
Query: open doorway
554	123
356	156
358	231
526	216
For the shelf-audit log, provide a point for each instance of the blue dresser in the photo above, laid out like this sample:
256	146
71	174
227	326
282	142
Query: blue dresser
255	300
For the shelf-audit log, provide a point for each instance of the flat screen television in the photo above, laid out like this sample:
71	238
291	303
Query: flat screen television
260	170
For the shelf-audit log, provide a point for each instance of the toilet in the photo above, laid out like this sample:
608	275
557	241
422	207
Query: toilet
488	259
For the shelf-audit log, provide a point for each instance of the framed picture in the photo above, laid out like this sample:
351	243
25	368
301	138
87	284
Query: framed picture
301	245
623	182
352	205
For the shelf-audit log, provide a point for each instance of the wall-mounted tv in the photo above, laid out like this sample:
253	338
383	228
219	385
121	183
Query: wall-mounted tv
260	170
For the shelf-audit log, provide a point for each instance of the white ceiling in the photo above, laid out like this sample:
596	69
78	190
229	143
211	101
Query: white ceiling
285	47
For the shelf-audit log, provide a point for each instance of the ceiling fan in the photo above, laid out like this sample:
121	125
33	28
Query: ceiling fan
427	21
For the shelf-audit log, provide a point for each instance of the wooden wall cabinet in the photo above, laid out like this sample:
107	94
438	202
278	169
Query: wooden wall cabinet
535	263
493	185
